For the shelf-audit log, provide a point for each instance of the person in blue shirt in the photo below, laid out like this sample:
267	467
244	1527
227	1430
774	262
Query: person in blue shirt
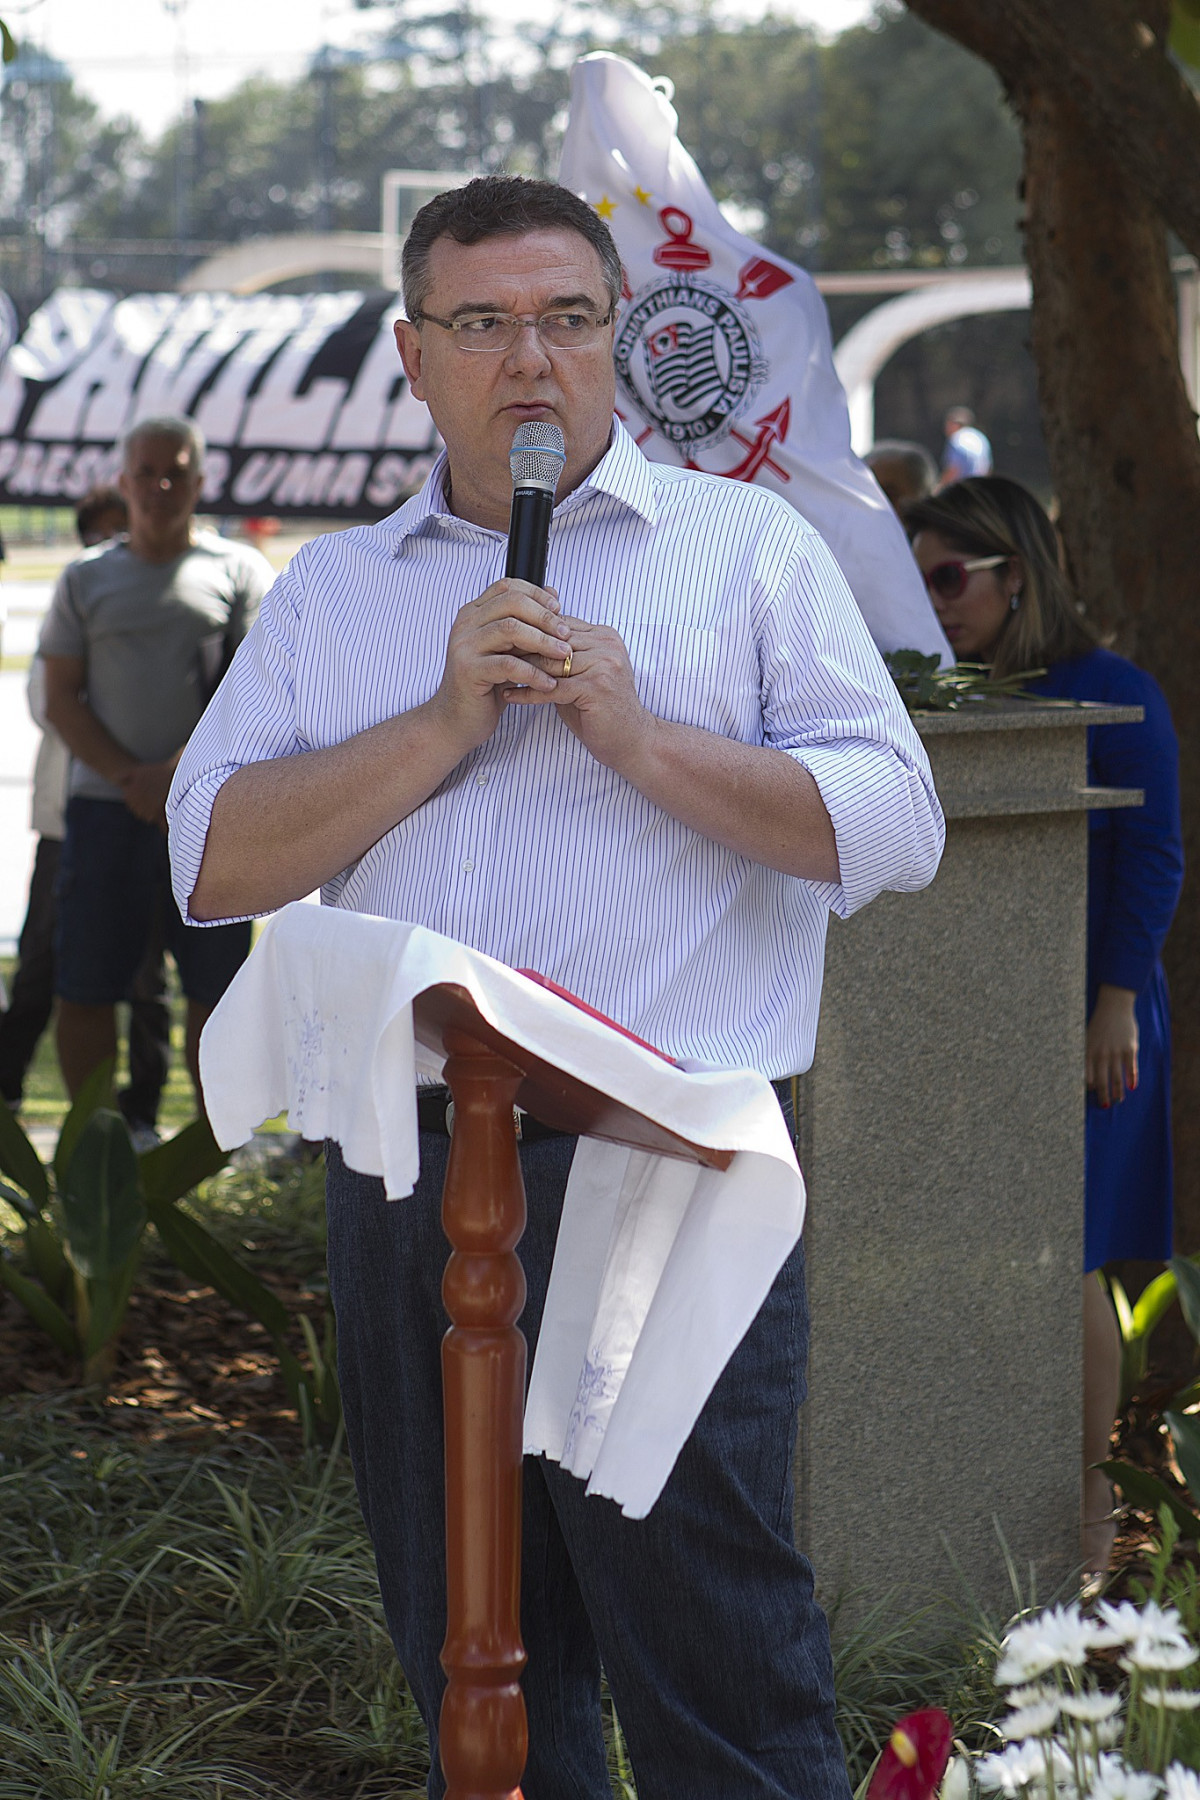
967	451
990	559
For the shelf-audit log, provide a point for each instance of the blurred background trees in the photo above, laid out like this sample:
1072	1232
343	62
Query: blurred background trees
886	147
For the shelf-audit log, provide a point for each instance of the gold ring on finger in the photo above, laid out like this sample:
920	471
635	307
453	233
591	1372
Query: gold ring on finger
567	666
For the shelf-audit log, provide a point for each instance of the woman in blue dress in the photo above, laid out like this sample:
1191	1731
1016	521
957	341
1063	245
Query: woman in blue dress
990	559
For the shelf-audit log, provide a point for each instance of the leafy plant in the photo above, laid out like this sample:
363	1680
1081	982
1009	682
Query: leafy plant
1179	1281
1137	1323
926	687
84	1219
208	1619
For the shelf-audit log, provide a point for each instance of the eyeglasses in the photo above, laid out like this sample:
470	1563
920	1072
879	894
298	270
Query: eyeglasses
571	328
948	579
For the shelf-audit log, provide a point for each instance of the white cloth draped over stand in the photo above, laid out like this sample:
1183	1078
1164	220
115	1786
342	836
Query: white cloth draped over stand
660	1265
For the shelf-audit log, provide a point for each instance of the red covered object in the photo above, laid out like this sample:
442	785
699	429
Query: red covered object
592	1013
914	1761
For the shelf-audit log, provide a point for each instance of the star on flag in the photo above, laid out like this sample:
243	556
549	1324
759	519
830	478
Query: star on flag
606	207
641	196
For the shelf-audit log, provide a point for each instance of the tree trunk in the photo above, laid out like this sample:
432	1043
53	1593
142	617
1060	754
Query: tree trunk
1120	433
1122	441
1108	58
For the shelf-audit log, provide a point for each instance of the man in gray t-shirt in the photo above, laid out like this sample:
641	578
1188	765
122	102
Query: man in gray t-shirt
138	634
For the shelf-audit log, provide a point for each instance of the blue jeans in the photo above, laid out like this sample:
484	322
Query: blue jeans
703	1615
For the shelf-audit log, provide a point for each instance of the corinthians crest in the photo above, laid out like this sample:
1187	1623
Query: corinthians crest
689	358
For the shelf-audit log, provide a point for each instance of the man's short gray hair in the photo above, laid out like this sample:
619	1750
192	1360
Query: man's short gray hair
167	425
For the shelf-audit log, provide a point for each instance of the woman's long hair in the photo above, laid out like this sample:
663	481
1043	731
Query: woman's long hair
988	515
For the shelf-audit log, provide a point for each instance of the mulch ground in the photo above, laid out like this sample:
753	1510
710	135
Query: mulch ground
191	1369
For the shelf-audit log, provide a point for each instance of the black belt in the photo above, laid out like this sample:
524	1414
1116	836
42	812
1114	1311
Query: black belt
435	1112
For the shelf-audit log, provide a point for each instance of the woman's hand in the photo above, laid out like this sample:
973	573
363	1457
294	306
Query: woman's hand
1112	1045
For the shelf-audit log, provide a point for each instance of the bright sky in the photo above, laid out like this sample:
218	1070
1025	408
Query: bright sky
144	57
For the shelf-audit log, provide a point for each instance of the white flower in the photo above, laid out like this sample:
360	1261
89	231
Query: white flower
1091	1706
1031	1721
1058	1638
956	1782
1023	1768
1033	1694
1011	1771
1174	1699
1159	1655
1113	1781
1118	1624
1108	1732
1153	1636
1182	1784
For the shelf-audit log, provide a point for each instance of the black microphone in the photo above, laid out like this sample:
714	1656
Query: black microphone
538	453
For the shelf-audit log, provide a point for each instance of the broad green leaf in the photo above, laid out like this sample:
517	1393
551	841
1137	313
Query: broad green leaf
23	1204
108	1301
1187	1397
9	43
102	1198
1184	40
45	1253
1153	1302
1121	1306
1149	1493
1185	1435
200	1255
96	1092
173	1169
40	1307
1187	1277
20	1161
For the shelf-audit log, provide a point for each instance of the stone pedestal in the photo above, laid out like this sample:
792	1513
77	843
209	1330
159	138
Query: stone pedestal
941	1136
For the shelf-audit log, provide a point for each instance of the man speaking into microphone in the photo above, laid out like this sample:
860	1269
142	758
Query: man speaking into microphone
650	780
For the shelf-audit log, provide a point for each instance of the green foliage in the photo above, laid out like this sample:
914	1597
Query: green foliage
192	1627
926	687
1137	1324
1185	32
889	146
101	1198
8	44
82	1252
1181	1281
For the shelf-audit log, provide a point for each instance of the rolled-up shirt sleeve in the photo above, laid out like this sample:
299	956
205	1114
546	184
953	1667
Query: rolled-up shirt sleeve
251	718
829	702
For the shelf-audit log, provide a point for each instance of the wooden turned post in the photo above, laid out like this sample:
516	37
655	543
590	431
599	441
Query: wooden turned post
483	1731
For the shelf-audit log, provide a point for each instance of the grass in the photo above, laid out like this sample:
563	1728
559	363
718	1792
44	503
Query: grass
190	1624
208	1625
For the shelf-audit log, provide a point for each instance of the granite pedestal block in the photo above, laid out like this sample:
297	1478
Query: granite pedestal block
941	1136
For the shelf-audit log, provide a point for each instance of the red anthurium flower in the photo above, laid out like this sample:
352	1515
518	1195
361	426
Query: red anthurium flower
915	1759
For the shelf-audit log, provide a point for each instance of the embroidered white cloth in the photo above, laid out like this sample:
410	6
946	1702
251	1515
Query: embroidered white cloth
660	1267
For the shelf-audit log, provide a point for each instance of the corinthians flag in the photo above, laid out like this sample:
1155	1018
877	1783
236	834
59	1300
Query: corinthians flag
724	358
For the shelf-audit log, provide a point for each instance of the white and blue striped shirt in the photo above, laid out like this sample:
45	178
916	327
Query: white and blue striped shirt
736	618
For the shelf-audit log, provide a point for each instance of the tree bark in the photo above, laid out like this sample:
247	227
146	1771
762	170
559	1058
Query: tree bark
1120	430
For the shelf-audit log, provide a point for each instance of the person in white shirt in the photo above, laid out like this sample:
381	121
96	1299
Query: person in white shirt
650	781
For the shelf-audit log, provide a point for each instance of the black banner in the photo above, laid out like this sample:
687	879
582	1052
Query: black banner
301	397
